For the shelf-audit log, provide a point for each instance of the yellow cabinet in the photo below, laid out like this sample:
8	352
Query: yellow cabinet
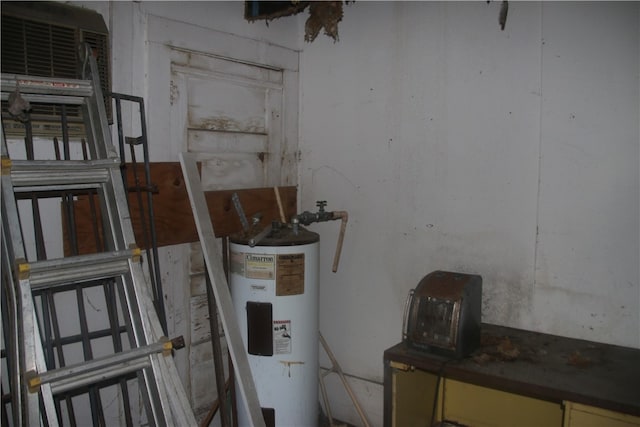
413	392
542	381
478	406
577	415
414	396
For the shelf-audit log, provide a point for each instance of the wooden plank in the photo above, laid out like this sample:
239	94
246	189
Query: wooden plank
173	216
213	261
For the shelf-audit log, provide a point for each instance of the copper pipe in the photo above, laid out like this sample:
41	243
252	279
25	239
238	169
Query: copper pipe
280	208
343	227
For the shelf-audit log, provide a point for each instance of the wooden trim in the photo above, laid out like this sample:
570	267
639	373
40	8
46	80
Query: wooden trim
173	216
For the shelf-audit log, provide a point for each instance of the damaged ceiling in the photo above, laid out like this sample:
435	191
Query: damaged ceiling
322	14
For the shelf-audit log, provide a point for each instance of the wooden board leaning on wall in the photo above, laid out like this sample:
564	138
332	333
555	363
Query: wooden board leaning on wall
173	218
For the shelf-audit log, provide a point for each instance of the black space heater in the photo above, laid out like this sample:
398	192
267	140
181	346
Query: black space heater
443	314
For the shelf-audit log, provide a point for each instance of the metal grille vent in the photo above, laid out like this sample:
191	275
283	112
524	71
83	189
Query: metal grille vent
42	39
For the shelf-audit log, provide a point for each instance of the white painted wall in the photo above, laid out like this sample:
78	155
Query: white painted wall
453	145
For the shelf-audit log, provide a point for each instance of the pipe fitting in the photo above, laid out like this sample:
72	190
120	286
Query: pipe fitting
306	218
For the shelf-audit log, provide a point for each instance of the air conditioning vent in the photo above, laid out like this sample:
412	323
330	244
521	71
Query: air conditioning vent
42	39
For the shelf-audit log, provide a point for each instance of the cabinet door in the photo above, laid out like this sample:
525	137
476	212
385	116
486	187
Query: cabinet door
412	397
577	415
418	398
477	406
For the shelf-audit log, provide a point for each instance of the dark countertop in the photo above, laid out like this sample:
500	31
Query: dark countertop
542	366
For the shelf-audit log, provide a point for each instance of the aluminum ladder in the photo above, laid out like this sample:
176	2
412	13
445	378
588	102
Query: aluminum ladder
41	383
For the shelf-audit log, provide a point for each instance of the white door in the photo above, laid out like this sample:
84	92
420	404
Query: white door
234	102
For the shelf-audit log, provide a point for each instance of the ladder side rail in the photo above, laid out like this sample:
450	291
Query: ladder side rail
168	400
116	339
10	328
94	108
119	219
115	210
148	329
45	394
178	402
137	337
57	345
131	323
132	292
173	399
31	358
159	401
101	147
97	411
13	247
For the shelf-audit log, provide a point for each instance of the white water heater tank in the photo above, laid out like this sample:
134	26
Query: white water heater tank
274	287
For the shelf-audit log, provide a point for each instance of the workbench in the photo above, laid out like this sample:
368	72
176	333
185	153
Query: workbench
516	378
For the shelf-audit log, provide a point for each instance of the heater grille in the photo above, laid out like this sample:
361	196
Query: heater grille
42	39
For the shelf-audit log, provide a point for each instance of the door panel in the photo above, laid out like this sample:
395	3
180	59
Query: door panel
235	119
235	170
225	105
205	141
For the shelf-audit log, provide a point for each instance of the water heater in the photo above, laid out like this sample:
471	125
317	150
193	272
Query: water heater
274	288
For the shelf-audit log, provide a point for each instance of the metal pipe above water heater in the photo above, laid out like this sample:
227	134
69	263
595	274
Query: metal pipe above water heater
306	218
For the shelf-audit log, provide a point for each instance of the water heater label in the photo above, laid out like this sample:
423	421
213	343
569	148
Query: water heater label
290	280
260	266
282	336
237	263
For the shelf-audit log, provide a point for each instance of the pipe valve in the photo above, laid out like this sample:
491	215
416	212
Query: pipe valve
306	218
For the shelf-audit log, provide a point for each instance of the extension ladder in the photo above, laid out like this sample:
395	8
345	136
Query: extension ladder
47	387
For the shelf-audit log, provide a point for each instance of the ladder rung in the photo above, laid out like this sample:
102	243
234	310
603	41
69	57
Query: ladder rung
86	378
47	86
44	175
76	269
97	370
48	99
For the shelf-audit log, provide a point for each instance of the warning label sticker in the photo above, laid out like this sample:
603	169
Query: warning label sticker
260	266
281	336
